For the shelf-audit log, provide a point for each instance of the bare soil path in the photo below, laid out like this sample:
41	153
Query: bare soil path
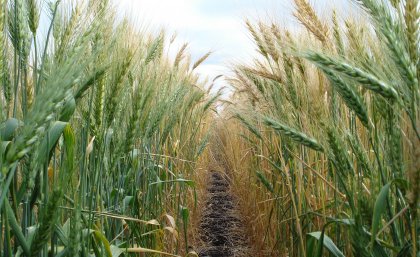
221	227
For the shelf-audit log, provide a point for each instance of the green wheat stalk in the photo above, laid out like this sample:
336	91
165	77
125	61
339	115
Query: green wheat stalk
366	79
295	135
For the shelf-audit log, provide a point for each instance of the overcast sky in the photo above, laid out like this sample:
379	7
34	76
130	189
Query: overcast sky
216	25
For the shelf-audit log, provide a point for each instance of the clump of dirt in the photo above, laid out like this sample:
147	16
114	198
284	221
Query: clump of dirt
221	228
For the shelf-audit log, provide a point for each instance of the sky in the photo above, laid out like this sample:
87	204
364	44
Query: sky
217	25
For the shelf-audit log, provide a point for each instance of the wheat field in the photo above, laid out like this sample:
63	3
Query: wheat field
111	146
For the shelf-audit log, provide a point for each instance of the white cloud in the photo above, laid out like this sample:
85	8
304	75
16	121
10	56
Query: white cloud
214	24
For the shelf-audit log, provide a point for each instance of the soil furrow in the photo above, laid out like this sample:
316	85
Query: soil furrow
221	225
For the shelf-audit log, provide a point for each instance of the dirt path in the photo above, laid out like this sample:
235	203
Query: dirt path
221	227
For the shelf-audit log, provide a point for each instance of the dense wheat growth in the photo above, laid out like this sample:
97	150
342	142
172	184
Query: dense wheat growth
329	121
100	133
104	136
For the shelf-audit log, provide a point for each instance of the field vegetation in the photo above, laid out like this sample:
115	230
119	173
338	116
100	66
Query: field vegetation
104	137
329	121
100	133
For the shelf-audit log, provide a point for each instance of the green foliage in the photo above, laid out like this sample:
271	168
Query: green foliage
295	135
324	241
46	224
94	92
